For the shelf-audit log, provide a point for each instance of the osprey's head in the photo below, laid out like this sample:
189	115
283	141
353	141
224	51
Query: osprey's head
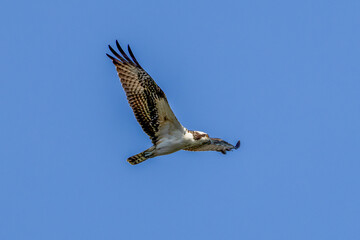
200	136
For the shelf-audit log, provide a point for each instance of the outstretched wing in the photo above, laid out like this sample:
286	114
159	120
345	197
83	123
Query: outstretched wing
145	97
216	144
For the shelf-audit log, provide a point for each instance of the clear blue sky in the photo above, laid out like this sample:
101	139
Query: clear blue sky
281	76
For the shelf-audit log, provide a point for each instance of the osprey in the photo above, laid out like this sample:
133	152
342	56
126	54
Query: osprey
154	114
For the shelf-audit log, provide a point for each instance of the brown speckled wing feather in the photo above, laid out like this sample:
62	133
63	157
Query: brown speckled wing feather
216	144
142	93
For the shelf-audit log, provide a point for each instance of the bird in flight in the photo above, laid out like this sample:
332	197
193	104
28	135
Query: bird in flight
154	114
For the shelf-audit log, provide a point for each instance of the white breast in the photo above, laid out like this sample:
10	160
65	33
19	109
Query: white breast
172	141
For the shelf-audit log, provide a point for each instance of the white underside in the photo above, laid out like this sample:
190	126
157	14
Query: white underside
172	141
172	136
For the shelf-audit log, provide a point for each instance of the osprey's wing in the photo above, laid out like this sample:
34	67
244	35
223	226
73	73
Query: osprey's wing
216	144
145	97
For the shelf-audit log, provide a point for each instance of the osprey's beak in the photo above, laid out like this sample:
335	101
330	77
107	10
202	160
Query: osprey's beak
237	145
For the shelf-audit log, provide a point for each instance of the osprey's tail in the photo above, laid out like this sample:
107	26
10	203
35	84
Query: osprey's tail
138	158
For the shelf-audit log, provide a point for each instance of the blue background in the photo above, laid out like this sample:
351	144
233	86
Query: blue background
281	76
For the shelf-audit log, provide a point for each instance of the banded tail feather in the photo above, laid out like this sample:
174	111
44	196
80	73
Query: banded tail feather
140	157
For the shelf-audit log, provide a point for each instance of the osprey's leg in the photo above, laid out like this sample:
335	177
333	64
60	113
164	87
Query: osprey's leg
138	158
